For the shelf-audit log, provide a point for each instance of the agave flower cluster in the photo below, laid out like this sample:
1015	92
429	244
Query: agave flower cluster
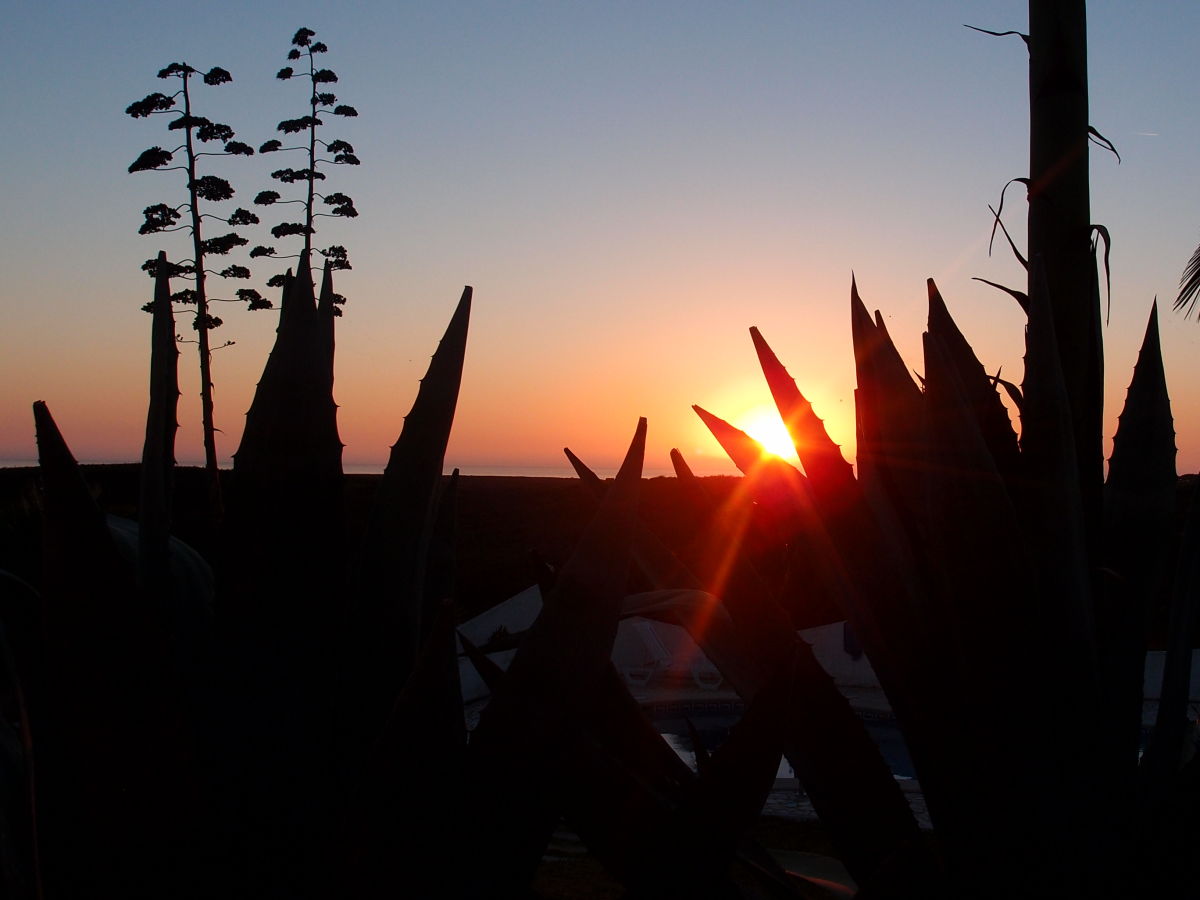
319	152
197	131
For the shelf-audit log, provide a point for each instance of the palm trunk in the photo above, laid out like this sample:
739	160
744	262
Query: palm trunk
1060	218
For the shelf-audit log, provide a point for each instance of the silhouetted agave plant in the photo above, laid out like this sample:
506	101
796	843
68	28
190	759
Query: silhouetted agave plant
197	732
1000	586
290	724
321	102
211	189
957	555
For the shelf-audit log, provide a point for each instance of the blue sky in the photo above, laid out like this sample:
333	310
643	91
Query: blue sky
628	186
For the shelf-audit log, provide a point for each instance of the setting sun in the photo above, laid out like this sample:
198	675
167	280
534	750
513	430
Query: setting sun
764	425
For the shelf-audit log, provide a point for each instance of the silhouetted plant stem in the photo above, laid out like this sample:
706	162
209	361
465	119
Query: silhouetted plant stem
163	217
319	101
312	159
207	419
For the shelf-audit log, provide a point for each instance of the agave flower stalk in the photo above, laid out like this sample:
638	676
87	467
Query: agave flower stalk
320	102
161	218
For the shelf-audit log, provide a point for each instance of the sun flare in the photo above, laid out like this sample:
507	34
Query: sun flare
765	426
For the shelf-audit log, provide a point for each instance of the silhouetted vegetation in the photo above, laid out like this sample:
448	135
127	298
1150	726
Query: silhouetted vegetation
197	132
285	719
318	151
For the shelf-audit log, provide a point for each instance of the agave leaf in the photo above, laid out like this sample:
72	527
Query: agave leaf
837	762
697	504
735	781
625	794
651	838
1139	500
780	489
876	560
491	673
661	568
785	516
391	572
20	875
327	315
291	436
1160	764
889	410
1143	457
286	525
752	642
980	390
73	521
821	457
976	539
440	562
682	470
747	453
587	598
875	352
158	452
110	685
699	751
516	768
406	792
860	566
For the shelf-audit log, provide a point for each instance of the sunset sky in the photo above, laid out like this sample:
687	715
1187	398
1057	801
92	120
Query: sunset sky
628	186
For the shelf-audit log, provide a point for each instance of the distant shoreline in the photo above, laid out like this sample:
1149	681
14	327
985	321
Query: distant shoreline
500	471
